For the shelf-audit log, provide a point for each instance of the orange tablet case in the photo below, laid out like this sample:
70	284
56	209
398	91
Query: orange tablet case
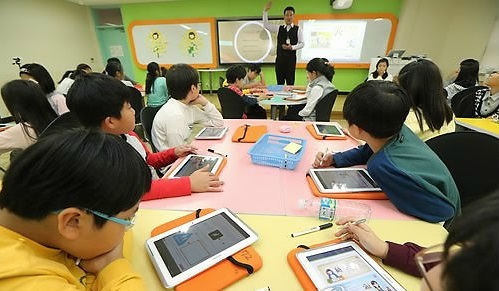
249	133
311	130
302	276
221	275
350	195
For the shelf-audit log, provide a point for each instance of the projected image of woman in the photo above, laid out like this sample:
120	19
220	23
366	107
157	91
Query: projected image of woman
381	72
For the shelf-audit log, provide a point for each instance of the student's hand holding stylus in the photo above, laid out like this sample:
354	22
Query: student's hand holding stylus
323	160
364	235
204	181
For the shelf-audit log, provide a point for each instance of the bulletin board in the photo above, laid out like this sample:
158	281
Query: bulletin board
168	42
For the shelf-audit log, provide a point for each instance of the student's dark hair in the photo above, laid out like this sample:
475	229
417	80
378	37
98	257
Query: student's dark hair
322	66
235	72
28	104
112	68
80	70
376	74
423	82
179	79
378	107
468	73
113	59
94	96
152	73
75	73
76	168
254	68
164	70
474	265
40	74
289	8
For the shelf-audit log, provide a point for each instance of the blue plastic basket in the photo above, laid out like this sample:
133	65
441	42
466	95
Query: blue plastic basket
269	151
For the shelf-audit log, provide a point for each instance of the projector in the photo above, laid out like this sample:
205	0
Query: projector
341	4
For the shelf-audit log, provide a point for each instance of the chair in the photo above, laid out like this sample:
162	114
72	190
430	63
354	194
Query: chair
232	104
65	121
324	107
147	117
473	161
463	103
137	102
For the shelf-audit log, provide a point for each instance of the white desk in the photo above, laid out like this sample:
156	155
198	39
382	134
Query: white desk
275	242
210	71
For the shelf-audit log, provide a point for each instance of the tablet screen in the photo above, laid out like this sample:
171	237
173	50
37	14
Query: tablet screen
328	129
344	180
196	162
346	267
183	250
211	133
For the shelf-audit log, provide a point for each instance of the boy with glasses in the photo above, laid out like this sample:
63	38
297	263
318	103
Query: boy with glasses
65	205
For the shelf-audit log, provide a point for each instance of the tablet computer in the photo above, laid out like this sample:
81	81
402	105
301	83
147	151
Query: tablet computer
185	251
343	180
328	129
193	162
211	133
345	266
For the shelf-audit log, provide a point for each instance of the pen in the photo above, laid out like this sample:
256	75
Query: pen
263	289
313	229
213	151
323	157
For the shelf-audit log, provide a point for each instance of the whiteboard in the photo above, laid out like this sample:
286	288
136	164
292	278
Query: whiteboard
345	40
172	43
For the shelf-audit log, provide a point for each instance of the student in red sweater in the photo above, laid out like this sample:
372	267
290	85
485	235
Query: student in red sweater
100	101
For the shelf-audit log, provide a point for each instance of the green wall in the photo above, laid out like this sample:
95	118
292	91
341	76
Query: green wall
344	79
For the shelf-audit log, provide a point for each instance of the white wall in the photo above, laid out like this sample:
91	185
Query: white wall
447	31
490	59
55	33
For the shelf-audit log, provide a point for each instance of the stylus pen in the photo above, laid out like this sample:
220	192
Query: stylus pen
313	229
263	289
215	152
323	157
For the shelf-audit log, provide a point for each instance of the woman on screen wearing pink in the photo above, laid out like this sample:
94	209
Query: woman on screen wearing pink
466	261
381	72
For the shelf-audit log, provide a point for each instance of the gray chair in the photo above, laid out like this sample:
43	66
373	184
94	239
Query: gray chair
324	107
147	117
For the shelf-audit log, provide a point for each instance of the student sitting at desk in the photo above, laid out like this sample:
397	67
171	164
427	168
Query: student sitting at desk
467	77
186	107
100	101
473	266
235	75
430	114
69	77
32	113
412	176
250	79
65	205
381	72
157	93
487	100
320	75
38	73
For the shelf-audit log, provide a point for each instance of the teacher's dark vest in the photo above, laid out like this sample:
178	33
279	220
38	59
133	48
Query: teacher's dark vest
281	39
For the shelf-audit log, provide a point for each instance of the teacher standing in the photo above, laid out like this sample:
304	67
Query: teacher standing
289	40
